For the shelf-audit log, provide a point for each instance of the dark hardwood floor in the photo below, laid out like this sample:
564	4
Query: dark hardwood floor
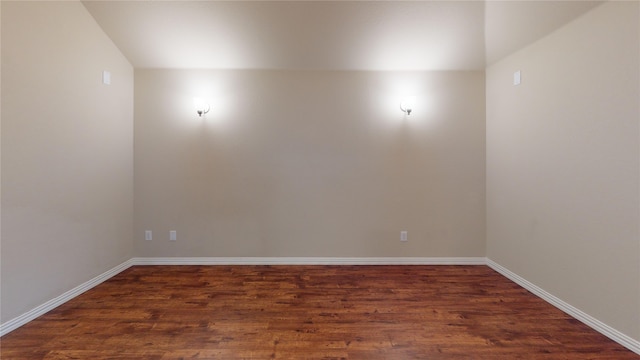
308	312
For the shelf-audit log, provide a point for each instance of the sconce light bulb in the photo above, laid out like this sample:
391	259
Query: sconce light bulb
201	106
407	105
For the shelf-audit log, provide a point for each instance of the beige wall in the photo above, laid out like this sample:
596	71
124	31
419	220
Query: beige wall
304	163
563	164
67	144
0	159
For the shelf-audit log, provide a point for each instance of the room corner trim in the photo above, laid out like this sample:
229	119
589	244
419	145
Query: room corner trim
309	261
15	323
604	329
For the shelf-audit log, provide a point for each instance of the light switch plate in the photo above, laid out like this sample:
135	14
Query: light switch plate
106	77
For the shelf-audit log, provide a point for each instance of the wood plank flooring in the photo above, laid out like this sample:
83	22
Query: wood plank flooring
308	312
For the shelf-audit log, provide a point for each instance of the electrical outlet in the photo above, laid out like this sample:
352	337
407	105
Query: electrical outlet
148	235
173	236
404	236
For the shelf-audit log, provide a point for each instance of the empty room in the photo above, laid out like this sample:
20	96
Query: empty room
320	180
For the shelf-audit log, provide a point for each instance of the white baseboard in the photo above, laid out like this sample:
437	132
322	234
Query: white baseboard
613	334
599	326
15	323
310	261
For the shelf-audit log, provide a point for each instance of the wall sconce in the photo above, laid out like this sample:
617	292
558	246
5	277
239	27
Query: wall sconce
202	107
407	104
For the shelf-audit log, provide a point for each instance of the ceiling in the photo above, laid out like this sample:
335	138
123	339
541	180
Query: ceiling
328	35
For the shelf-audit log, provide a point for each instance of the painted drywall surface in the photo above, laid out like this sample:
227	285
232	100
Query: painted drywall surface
511	25
562	164
0	157
309	163
362	35
67	153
